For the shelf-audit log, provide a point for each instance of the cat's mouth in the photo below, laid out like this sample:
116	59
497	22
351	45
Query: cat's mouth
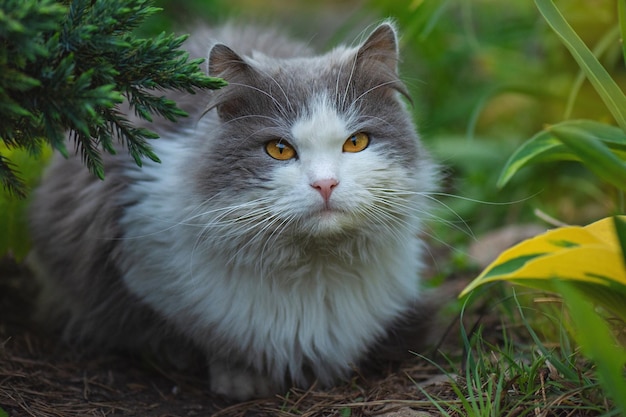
329	210
330	220
327	214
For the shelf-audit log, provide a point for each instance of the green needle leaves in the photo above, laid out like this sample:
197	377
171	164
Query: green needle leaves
66	66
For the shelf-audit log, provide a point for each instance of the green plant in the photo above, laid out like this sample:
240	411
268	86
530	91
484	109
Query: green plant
600	146
520	375
65	66
585	265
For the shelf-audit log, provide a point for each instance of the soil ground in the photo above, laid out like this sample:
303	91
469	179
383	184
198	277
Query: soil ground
40	376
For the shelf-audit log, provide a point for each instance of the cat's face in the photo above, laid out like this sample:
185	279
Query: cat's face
314	147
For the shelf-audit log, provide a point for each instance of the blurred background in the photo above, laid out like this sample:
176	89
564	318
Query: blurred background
485	76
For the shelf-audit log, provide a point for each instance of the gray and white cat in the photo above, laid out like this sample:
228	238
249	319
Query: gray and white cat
279	235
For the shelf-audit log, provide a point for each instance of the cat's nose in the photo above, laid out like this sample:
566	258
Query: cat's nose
325	187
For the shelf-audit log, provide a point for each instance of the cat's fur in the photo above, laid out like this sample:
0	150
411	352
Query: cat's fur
223	248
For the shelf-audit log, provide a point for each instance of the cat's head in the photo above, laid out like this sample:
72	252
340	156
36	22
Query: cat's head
314	147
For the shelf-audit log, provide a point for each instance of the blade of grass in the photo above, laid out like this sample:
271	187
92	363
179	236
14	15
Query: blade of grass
606	87
594	336
421	18
596	156
601	47
434	17
621	12
563	369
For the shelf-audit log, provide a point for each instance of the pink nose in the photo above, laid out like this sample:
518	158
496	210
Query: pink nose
325	187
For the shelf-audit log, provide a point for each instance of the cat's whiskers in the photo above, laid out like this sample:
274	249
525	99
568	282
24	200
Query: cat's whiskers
428	214
391	207
337	80
366	92
172	224
224	211
393	224
395	206
224	229
396	212
238	219
239	216
348	84
267	223
277	103
465	228
421	211
268	75
275	120
269	242
362	119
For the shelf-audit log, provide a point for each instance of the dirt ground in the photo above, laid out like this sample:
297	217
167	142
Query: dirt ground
40	376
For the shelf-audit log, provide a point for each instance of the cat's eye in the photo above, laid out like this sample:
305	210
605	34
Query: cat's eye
356	142
279	149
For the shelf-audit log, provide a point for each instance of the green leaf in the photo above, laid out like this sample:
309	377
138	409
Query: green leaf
546	147
620	231
621	11
593	153
607	88
597	342
3	413
511	265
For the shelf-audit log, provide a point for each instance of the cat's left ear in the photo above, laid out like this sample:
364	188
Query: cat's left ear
378	57
381	46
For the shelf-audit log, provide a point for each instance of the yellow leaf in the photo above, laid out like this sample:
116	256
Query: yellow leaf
589	254
604	231
590	263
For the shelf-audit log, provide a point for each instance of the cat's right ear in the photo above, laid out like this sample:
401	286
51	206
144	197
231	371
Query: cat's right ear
225	63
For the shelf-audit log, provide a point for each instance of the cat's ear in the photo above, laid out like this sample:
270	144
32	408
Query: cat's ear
381	46
377	59
225	63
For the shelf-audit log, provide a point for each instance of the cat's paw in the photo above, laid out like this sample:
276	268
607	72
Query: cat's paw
239	384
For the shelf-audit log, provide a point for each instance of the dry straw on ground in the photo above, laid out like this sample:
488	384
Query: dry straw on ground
41	377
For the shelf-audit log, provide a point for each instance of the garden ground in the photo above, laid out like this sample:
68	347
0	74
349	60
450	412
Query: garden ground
41	377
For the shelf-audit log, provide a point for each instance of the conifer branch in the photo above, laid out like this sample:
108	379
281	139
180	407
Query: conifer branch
65	66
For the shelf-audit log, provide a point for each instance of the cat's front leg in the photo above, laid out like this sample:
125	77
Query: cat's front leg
238	382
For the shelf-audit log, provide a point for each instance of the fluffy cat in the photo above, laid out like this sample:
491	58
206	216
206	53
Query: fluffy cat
279	235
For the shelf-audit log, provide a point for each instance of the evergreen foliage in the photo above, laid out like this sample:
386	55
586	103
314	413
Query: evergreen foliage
65	66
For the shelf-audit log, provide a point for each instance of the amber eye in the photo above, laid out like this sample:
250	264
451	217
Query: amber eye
356	142
279	149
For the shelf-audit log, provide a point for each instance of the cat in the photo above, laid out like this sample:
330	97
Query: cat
279	235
